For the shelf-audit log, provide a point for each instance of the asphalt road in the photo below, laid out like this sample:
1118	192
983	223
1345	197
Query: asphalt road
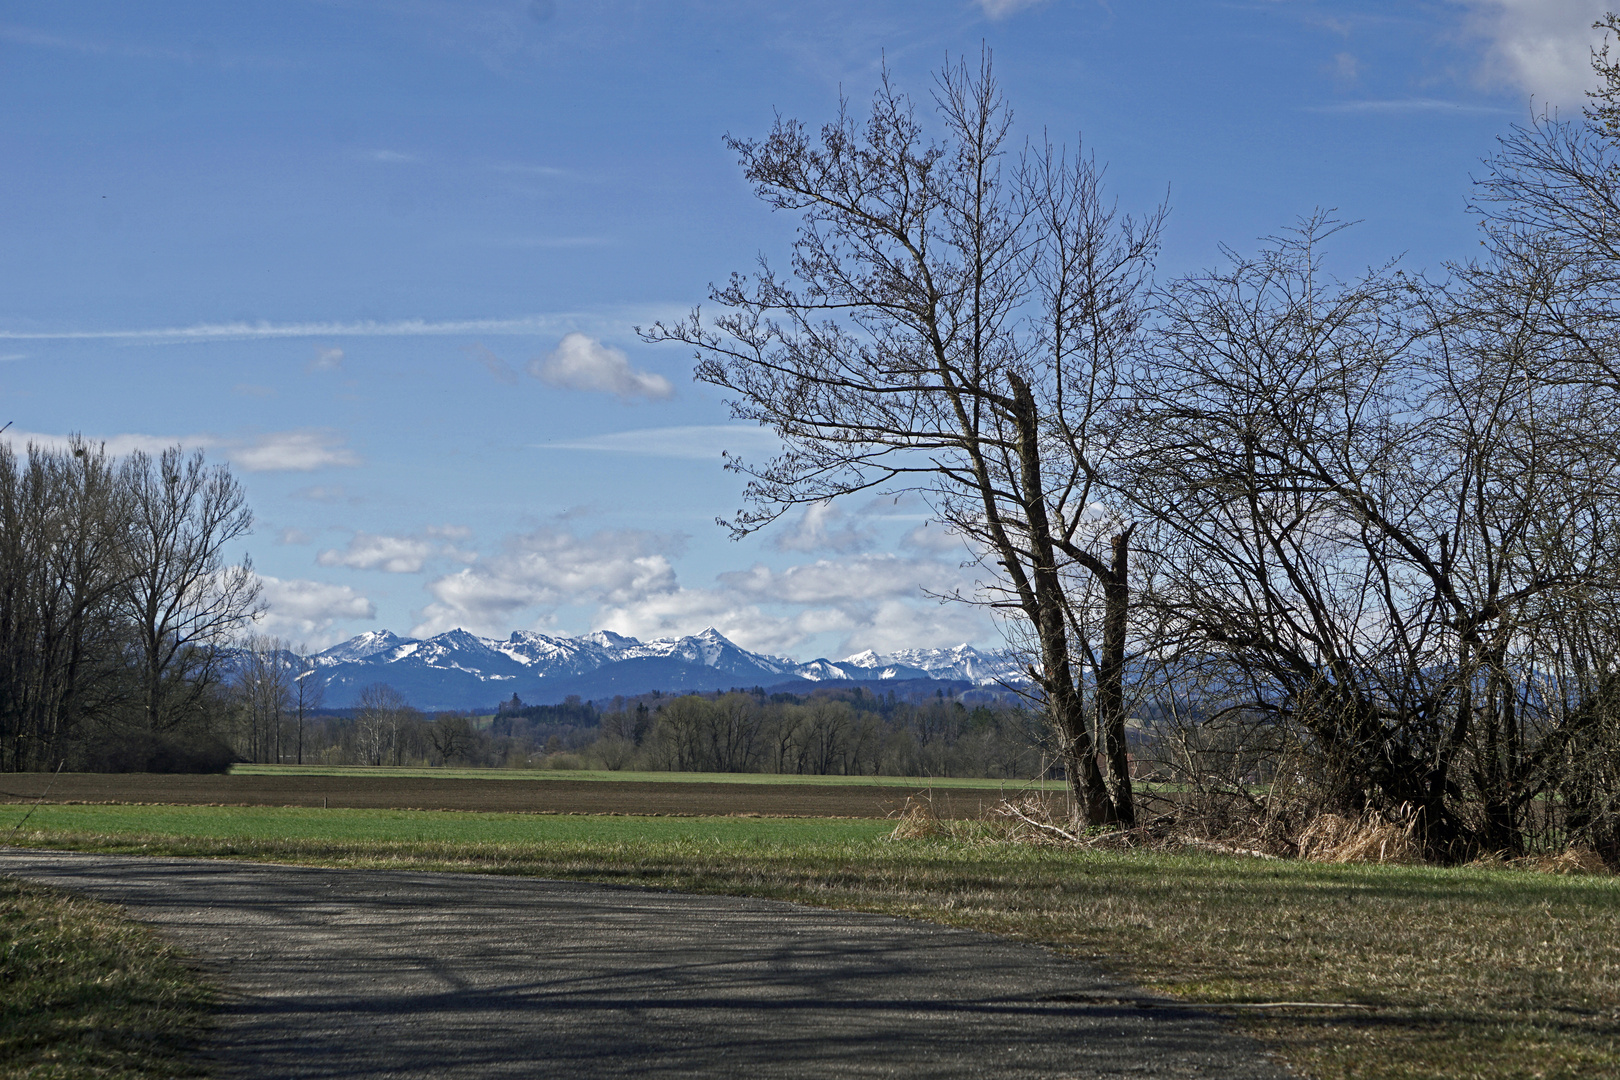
364	973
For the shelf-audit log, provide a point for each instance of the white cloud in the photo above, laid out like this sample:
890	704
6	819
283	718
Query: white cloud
292	451
393	554
1345	67
1000	9
546	568
322	493
873	601
277	451
240	331
329	359
309	611
1541	46
823	527
699	442
877	601
688	611
935	538
294	536
860	580
584	363
397	554
116	445
903	620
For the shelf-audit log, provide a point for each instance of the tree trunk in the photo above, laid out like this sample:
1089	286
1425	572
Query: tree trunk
1111	683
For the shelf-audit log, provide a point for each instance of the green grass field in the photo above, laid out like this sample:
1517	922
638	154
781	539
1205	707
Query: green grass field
1462	972
259	824
85	992
967	783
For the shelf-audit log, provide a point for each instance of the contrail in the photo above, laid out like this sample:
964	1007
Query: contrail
238	331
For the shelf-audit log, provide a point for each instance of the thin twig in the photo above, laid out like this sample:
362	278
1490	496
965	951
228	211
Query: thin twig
1228	849
1012	811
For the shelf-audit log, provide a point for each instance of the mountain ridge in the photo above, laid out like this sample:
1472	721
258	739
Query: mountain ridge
461	670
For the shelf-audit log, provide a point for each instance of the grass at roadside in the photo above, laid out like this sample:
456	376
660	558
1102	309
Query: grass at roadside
1468	972
908	782
492	831
85	992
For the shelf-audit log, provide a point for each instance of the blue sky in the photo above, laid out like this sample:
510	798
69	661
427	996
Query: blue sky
386	258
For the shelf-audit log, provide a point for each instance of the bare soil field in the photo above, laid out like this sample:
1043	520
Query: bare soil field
520	796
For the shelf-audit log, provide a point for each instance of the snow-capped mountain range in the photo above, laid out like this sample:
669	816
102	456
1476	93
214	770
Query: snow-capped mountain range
459	670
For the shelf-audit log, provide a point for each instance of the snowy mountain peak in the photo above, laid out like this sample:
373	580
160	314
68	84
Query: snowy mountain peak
359	647
459	669
607	639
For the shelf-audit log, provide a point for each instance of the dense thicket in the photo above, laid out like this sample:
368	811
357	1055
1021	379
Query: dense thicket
115	603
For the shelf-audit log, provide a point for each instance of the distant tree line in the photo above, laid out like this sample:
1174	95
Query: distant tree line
116	607
828	732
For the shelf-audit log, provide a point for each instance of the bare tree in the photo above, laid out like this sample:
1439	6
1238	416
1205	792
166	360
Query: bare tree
452	737
308	693
62	524
181	598
377	723
1368	505
953	325
264	690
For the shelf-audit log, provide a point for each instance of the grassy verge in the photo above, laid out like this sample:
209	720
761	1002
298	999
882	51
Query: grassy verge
85	992
1464	972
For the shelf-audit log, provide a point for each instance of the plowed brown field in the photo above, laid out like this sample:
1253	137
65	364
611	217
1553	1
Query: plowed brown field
496	794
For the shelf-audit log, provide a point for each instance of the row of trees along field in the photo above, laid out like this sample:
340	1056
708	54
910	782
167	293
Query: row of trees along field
824	732
1334	543
116	606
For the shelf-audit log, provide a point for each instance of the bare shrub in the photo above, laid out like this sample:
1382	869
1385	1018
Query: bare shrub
917	821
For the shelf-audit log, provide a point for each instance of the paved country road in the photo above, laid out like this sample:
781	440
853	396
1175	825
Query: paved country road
365	973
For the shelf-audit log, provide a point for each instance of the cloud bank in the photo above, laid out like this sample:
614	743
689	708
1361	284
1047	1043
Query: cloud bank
397	554
871	600
307	612
302	450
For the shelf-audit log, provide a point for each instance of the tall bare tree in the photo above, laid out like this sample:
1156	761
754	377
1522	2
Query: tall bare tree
953	324
181	597
308	693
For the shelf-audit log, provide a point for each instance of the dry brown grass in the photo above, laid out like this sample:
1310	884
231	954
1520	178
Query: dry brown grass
1334	838
916	820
